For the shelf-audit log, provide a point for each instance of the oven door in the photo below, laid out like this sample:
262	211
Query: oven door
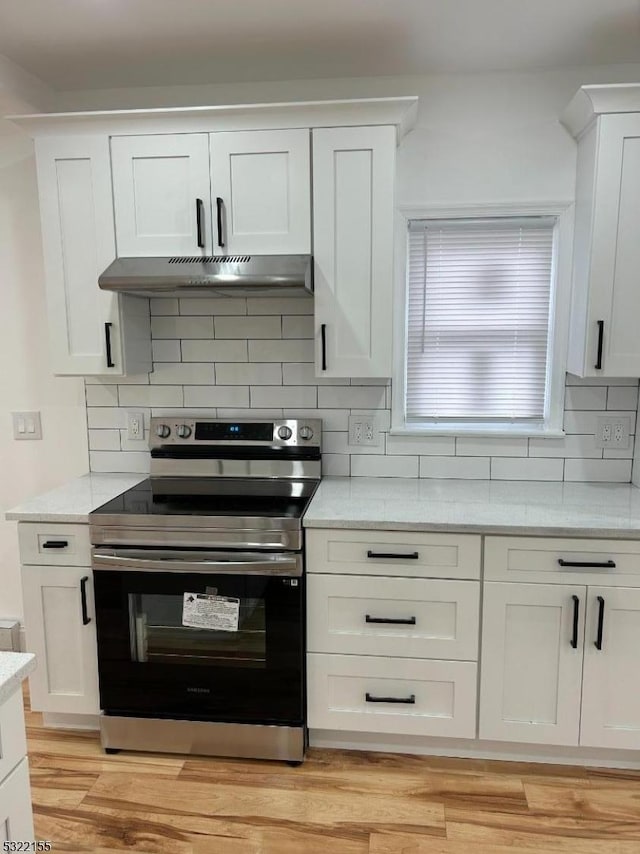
200	635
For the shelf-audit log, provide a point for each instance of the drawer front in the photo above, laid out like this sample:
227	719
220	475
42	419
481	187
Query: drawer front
54	545
13	744
409	554
403	617
16	816
357	694
554	560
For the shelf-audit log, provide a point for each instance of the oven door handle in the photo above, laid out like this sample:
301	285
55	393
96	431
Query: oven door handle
258	565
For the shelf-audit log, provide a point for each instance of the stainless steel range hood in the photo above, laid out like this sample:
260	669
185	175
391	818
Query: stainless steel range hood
230	275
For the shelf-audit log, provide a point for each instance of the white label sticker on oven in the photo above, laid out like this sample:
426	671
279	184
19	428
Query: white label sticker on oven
203	611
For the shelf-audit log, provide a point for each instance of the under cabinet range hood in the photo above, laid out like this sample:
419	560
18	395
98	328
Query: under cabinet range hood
217	275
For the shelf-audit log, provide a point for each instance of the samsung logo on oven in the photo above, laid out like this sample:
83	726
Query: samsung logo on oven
198	690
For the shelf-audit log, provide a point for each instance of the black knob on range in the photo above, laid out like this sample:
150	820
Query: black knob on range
162	431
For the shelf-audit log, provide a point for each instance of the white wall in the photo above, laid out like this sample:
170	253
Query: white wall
27	468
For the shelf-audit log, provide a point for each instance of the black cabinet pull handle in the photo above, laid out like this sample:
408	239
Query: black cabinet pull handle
587	564
598	643
107	344
408	701
86	619
55	544
219	215
598	364
409	621
393	555
576	616
323	338
200	222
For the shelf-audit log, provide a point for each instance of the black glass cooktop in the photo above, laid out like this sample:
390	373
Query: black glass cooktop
212	497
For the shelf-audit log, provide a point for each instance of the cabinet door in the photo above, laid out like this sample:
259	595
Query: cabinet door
16	815
610	693
531	672
353	180
76	210
66	679
161	194
261	192
612	174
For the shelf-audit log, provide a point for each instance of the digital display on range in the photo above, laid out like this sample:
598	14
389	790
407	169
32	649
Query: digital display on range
230	430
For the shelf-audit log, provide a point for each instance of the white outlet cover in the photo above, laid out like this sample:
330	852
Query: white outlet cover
26	425
363	431
135	426
613	432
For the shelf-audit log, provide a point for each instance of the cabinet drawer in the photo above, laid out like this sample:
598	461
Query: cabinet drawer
356	693
13	745
554	560
410	554
54	545
16	817
404	617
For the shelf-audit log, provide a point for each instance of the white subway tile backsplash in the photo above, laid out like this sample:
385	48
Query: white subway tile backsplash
362	397
129	461
289	350
491	447
213	305
473	468
104	440
165	350
337	465
105	417
151	395
249	413
585	422
297	326
249	373
587	397
182	373
159	306
280	305
609	381
504	468
363	465
338	443
216	395
290	395
304	373
101	395
621	397
247	327
332	419
182	327
421	445
616	471
568	446
215	351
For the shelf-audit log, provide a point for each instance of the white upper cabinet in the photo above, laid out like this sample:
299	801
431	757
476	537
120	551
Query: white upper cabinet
261	192
604	339
161	194
353	183
91	331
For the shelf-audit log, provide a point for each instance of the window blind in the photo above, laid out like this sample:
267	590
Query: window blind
479	293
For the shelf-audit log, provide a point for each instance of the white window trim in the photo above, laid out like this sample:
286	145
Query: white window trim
559	309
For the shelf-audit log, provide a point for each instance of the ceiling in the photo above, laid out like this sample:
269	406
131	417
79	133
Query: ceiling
95	44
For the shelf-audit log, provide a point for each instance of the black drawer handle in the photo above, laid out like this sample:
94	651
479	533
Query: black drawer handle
219	216
55	544
393	555
323	337
598	364
576	617
407	701
598	642
86	619
199	223
107	345
586	564
410	621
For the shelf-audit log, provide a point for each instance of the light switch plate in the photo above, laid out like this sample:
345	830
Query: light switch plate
26	425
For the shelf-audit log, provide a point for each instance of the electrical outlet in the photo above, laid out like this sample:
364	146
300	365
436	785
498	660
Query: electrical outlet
135	426
612	431
363	431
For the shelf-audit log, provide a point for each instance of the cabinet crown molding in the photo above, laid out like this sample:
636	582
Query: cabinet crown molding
401	112
589	102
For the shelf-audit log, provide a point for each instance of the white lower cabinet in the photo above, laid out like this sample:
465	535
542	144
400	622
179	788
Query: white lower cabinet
390	695
16	818
60	625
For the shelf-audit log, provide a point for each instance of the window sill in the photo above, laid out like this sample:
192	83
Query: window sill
479	432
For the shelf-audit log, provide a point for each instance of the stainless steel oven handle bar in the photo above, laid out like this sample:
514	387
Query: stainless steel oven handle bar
243	564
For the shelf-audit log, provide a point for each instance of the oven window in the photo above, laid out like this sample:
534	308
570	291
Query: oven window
156	634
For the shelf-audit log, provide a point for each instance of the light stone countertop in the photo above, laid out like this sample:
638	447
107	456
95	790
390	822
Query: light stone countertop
14	667
75	500
477	506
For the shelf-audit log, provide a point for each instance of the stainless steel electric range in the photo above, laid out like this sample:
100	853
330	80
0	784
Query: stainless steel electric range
200	591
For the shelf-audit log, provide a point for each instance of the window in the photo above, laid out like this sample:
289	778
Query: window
481	326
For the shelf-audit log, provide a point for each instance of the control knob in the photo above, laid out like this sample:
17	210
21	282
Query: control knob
183	431
162	431
306	432
284	432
